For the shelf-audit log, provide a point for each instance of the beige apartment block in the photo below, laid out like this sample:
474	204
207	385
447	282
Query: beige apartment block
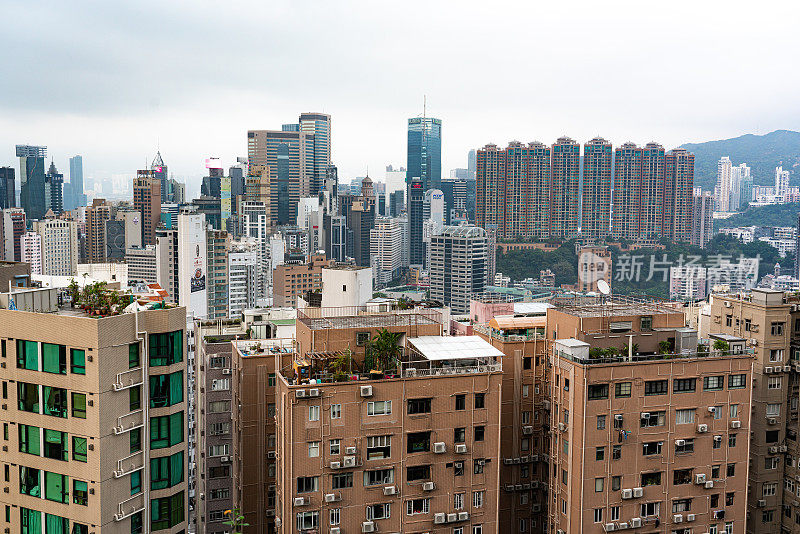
411	451
292	280
651	433
93	416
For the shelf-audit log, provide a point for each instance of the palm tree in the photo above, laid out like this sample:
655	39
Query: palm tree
385	347
664	347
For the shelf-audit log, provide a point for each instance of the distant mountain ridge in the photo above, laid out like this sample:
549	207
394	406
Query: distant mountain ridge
761	152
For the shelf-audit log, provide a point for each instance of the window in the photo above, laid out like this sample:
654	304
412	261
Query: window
220	493
379	447
77	360
776	355
649	509
308	484
379	408
767	516
770	463
78	405
334	516
731	440
622	390
362	338
221	429
378	476
477	466
418	472
220	449
418	442
525	391
336	411
136	440
477	499
29	439
653	447
458	469
480	401
683	446
616	452
80	492
684	385
166	512
55	445
774	382
221	384
773	410
651	479
307	521
79	449
27	355
56	487
684	417
30	481
777	329
223	407
28	397
769	489
55	402
335	446
646	323
459	435
682	476
613	513
601	422
737	381
600	454
135	398
616	483
133	356
166	431
418	506
166	348
598	515
713	383
78	528
379	511
167	390
681	505
313	413
54	358
731	469
416	406
461	402
597	391
313	449
599	484
341	480
220	471
480	431
729	498
656	387
654	419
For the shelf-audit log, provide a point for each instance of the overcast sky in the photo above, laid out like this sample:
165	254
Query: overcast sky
114	80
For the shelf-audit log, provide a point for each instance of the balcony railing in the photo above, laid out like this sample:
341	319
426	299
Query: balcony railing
129	379
129	506
129	464
129	421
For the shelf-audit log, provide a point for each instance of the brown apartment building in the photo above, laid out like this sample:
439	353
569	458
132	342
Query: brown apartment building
292	280
147	201
650	427
414	450
93	416
96	217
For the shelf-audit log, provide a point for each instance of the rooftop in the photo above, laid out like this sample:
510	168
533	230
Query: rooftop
610	306
436	348
361	317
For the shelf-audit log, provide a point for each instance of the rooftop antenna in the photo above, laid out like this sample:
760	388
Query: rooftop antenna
424	106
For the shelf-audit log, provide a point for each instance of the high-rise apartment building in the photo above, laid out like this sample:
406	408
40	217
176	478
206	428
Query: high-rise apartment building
96	420
54	190
217	246
416	208
722	190
386	249
294	279
678	195
31	251
77	197
242	277
32	179
142	266
96	216
702	217
596	210
147	201
8	194
12	228
638	192
458	270
167	262
425	152
60	251
781	183
193	264
565	176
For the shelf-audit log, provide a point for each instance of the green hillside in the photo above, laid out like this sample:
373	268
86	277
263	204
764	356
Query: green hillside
761	152
778	215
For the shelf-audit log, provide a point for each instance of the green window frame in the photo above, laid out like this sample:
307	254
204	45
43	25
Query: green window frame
30	481
80	492
136	482
55	524
166	512
135	398
30	521
166	431
56	445
166	348
166	471
54	358
78	528
28	397
77	360
79	405
54	401
166	390
27	355
79	449
56	487
29	439
136	440
133	356
137	523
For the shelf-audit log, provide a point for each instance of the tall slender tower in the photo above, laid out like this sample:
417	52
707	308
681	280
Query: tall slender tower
31	176
8	195
78	198
147	201
722	191
318	124
425	151
596	212
678	195
565	172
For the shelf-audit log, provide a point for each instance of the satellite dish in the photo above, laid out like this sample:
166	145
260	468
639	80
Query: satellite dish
603	287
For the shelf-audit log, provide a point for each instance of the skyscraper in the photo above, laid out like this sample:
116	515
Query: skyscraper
159	171
565	172
361	221
425	151
702	217
596	211
638	192
416	205
12	228
458	266
32	178
722	191
54	190
147	201
7	188
96	216
781	183
318	124
77	197
678	195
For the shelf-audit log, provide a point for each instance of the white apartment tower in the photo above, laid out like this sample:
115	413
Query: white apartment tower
386	248
781	183
242	277
458	268
722	191
59	246
31	251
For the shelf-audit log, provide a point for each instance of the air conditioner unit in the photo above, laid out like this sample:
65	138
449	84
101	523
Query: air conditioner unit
225	459
506	461
335	530
272	455
527	430
677	518
773	449
772	420
463	516
736	424
523	459
717	438
700	478
754	342
702	429
299	501
638	492
366	391
349	461
390	490
534	457
367	526
313	392
439	519
712	409
461	448
680	442
439	447
689	518
627	494
610	527
452	518
727	304
336	465
767	370
332	497
300	393
226	371
618	417
428	486
709	484
645	415
636	522
787	368
562	427
761	503
782	448
350	450
622	526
